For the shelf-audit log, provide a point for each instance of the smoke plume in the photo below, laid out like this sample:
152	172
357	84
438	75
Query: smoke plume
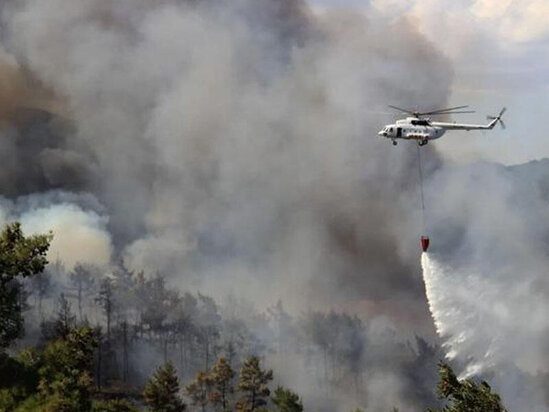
79	233
234	140
229	145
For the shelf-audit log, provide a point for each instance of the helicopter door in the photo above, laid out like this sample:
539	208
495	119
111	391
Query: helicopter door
399	132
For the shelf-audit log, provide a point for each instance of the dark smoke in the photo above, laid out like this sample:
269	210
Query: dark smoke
231	147
233	139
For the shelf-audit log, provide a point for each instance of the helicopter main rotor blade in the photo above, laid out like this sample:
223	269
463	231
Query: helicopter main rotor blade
446	110
440	114
381	112
402	110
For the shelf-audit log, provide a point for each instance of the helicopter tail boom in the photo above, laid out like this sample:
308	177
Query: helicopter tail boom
463	126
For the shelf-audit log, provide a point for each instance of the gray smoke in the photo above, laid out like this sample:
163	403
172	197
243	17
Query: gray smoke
233	143
230	146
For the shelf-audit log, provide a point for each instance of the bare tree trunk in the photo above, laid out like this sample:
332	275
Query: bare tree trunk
125	351
99	365
181	355
40	306
207	352
80	301
108	325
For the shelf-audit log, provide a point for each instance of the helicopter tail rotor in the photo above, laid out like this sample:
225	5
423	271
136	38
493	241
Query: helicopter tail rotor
498	118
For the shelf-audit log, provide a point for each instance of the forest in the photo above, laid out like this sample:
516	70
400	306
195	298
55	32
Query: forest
88	340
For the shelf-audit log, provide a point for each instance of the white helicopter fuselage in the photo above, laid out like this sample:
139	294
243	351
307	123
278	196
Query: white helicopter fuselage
423	130
412	128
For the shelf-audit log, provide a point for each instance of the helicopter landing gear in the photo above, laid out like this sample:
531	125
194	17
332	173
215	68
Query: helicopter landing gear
394	143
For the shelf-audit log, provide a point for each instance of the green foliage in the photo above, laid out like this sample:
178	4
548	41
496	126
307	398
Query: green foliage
286	400
65	374
18	378
221	378
253	385
33	404
20	370
10	398
65	321
56	380
20	257
161	392
62	325
199	389
466	395
115	405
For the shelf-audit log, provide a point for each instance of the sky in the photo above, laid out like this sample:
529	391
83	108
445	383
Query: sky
499	50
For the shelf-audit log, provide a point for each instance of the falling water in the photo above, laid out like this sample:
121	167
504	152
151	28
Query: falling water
460	304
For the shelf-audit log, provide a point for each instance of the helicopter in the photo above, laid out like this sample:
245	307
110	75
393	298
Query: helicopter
422	129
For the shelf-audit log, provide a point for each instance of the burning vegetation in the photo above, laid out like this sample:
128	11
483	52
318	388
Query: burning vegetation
96	359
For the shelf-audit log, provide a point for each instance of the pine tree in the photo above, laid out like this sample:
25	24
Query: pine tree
253	385
221	378
41	287
82	280
286	400
114	405
161	392
106	300
66	371
466	395
65	321
199	390
20	257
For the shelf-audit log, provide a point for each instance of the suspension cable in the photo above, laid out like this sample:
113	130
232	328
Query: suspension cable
421	188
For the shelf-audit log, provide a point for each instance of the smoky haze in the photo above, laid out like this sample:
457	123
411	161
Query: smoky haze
231	144
231	147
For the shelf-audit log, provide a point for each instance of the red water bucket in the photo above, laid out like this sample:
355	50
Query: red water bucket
424	243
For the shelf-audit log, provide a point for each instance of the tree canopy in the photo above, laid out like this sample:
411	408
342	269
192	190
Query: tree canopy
161	392
20	257
253	385
286	400
466	395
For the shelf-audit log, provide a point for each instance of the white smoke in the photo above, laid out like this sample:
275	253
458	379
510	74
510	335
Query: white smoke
79	235
232	144
233	139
